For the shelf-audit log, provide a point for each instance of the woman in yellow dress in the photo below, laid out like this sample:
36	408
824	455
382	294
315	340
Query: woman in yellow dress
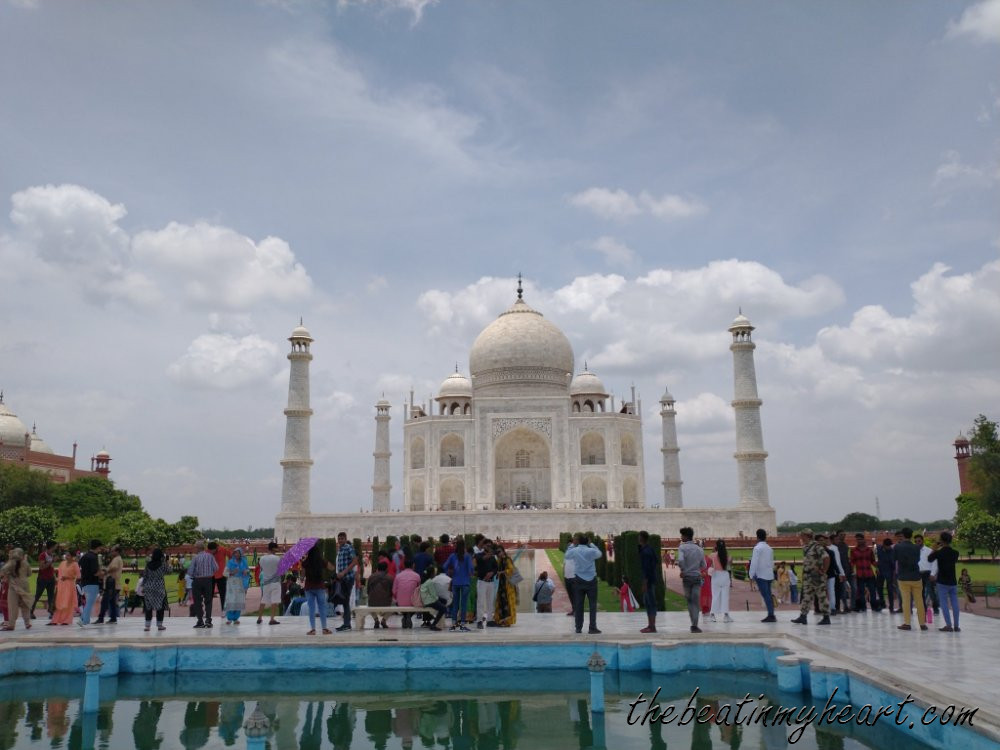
505	611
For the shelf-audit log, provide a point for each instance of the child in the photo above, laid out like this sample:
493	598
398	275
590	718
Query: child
181	588
965	581
629	604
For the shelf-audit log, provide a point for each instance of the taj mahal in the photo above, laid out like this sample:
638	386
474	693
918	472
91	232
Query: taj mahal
526	447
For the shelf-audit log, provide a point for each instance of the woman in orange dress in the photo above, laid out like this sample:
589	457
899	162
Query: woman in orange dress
66	577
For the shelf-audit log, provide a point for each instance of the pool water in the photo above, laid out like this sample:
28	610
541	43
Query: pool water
461	710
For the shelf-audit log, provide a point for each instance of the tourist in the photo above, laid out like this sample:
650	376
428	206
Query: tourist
505	609
443	551
706	583
908	574
238	575
154	590
648	564
691	561
793	583
887	575
442	583
583	554
220	554
109	596
90	581
720	582
784	583
835	573
928	572
46	581
569	577
270	584
69	571
403	586
542	596
863	562
202	572
423	559
815	564
380	590
762	572
846	592
182	592
347	564
429	597
486	583
945	557
315	566
459	566
965	581
626	597
17	571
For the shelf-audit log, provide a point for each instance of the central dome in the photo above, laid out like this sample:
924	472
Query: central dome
12	429
521	348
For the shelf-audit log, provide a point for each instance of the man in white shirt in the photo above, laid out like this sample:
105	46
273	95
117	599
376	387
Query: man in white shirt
583	553
836	575
762	572
270	584
928	574
569	575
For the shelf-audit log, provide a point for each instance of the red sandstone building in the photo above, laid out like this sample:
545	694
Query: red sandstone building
18	446
963	452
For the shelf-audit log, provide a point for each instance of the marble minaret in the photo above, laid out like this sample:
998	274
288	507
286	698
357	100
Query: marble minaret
671	460
381	485
750	454
297	464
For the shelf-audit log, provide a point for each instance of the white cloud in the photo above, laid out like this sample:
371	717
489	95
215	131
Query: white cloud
222	361
705	412
980	21
615	252
953	171
218	267
670	207
607	204
416	7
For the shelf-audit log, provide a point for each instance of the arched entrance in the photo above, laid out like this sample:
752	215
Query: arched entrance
522	470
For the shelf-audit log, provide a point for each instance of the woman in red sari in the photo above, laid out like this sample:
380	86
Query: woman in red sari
66	577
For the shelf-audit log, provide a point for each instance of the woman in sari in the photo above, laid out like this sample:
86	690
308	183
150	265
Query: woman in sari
66	577
236	588
15	572
505	611
627	598
154	590
784	584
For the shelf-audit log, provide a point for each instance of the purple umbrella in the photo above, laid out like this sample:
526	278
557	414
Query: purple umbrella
296	553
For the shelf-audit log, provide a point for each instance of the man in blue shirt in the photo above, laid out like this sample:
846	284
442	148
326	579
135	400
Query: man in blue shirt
583	554
347	563
649	561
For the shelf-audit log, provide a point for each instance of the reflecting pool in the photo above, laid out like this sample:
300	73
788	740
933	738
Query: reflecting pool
462	710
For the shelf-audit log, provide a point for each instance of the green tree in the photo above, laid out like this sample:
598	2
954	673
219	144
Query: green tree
26	527
984	465
92	496
79	533
858	522
981	529
22	487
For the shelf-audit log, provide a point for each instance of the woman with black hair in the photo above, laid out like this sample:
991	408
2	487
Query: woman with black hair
315	566
154	590
720	582
459	566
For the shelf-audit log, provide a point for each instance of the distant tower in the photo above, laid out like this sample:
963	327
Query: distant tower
381	485
963	452
101	463
671	461
296	463
750	453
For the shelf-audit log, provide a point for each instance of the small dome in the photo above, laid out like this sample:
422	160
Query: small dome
455	385
38	445
666	396
587	384
12	429
301	332
521	348
102	454
961	439
740	321
382	402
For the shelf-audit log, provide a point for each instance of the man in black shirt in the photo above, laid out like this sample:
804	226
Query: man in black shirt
649	562
947	583
486	585
90	582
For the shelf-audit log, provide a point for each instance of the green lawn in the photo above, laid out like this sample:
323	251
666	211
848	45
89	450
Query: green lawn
607	596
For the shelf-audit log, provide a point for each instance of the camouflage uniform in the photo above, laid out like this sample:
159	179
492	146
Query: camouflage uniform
814	559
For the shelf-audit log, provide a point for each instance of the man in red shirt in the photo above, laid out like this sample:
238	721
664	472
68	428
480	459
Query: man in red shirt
46	583
443	551
221	555
863	561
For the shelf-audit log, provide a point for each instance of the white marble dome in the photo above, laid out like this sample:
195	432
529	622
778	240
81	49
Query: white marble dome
12	429
455	385
520	348
38	445
587	384
301	332
740	321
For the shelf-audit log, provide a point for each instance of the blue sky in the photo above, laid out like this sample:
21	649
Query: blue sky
185	180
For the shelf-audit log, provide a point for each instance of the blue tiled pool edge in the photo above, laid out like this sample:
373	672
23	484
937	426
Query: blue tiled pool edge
795	670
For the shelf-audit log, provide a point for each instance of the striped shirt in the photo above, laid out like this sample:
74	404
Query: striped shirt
203	565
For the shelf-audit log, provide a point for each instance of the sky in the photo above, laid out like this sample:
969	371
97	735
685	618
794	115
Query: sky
181	182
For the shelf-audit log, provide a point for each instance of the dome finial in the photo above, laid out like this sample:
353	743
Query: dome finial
740	308
456	367
300	321
520	289
585	369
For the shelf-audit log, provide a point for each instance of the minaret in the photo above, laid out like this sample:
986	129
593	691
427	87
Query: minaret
963	452
381	485
296	463
671	460
750	453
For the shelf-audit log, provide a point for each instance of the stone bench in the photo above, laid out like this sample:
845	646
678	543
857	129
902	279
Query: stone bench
360	613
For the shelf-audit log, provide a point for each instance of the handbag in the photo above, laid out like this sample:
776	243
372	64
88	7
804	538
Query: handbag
516	577
339	591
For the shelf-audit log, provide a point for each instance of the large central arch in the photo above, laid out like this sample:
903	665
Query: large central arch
522	469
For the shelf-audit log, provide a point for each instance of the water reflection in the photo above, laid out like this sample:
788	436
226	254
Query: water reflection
324	711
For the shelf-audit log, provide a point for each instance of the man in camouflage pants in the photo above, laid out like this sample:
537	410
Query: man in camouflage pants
815	563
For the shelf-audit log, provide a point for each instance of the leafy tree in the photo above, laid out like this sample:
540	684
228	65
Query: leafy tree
981	529
20	487
79	533
26	527
984	465
859	522
92	496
